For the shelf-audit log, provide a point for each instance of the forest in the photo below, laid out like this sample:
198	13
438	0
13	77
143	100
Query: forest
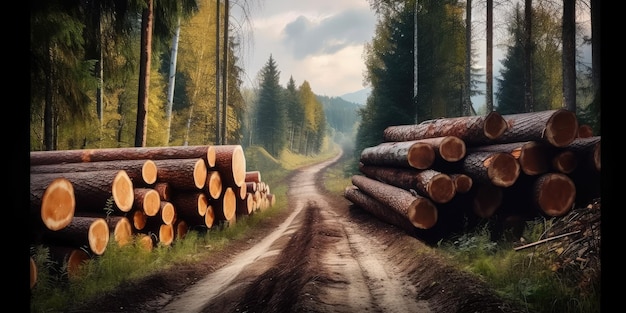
119	73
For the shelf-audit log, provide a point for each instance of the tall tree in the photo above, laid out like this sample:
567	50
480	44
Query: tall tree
569	54
489	62
147	16
295	115
467	101
225	68
528	56
271	113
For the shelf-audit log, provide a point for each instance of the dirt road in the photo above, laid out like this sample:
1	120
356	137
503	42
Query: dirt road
322	255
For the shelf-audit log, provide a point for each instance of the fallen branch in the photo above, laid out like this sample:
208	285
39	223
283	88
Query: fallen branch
546	240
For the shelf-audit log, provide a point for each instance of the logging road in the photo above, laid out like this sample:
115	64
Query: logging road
321	255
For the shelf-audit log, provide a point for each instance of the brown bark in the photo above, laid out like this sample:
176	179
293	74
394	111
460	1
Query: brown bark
430	183
588	150
377	208
448	148
473	130
420	211
72	256
554	194
251	187
190	205
92	190
245	206
92	232
148	200
141	172
556	127
533	156
462	182
214	184
53	203
230	161
127	153
164	190
185	174
498	168
415	154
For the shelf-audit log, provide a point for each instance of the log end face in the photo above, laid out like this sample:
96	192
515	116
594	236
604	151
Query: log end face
98	236
149	172
166	234
123	192
181	229
168	213
503	170
203	203
214	184
200	174
561	128
210	156
452	149
33	273
239	166
58	204
122	233
209	217
422	213
533	159
229	203
462	183
421	155
74	260
556	194
441	188
495	125
151	203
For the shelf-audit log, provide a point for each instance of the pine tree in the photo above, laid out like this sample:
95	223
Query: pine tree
271	121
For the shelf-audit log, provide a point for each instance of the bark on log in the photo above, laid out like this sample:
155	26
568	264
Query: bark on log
429	183
92	232
251	187
415	154
462	183
448	148
205	152
92	190
214	184
497	168
556	127
533	156
164	190
52	204
554	194
473	130
245	206
378	209
230	161
141	172
253	176
588	151
190	205
148	200
185	174
225	207
73	257
420	211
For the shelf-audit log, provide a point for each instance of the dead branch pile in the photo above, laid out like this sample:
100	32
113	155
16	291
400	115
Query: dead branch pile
82	199
501	169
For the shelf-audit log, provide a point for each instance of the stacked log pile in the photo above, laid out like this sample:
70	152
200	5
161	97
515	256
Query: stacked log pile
440	176
82	199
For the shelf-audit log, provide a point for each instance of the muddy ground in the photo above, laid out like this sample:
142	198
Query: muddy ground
322	254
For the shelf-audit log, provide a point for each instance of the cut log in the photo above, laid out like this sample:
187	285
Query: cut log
54	202
225	207
180	229
473	130
378	209
420	211
148	200
139	219
166	234
564	162
126	153
185	174
141	172
92	232
92	190
498	168
146	241
430	183
448	148
121	229
214	184
533	156
462	183
230	161
554	194
68	259
33	273
245	206
209	217
251	187
253	176
190	205
487	198
556	127
585	131
168	212
588	151
415	154
164	190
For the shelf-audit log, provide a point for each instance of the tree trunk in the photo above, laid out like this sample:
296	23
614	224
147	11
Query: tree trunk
497	168
190	205
53	203
435	185
225	207
556	127
420	211
147	17
182	174
141	172
473	130
412	154
253	176
569	54
92	232
92	190
230	161
129	153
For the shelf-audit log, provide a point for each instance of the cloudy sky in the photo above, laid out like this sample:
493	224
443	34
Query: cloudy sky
318	41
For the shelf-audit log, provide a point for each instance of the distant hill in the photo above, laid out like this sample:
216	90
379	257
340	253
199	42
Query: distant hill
358	97
341	114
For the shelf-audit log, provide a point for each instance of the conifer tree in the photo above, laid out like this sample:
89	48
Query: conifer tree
271	121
